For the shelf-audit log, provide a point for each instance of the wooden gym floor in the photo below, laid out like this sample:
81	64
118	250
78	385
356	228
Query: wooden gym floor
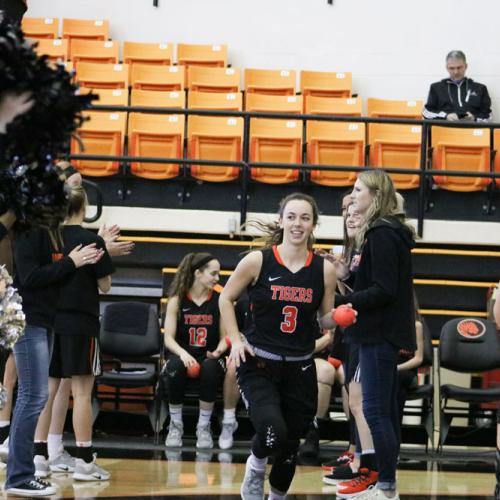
141	470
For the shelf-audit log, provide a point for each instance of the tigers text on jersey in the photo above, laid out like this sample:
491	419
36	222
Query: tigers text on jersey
198	326
284	305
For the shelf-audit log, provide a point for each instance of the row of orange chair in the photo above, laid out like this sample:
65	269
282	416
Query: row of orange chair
48	28
281	141
141	95
89	39
205	78
108	51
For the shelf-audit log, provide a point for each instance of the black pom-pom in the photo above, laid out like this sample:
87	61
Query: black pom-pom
29	183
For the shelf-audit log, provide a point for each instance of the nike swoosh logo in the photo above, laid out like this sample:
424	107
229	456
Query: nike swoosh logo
274	279
186	309
304	368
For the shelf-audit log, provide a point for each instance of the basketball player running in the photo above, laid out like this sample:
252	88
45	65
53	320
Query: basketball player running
287	286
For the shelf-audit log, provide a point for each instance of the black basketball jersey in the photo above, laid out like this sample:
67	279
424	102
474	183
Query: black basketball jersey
284	305
198	326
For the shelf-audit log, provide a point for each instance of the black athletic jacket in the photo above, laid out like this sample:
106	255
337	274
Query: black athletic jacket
447	97
383	287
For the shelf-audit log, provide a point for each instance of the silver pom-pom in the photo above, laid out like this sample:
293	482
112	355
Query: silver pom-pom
3	396
12	319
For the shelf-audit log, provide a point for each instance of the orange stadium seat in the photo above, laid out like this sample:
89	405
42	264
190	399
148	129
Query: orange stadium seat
335	143
90	29
147	53
156	77
389	108
206	79
342	106
94	51
215	138
202	55
108	97
103	134
466	149
496	146
40	27
325	84
157	98
275	141
396	146
155	136
215	100
56	50
102	76
270	81
274	103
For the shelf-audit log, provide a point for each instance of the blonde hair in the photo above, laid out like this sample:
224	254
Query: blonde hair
77	200
273	233
384	203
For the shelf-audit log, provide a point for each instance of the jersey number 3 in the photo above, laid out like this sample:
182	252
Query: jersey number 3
289	322
198	336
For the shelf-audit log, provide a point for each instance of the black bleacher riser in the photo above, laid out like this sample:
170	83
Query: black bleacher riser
225	197
456	267
158	255
451	297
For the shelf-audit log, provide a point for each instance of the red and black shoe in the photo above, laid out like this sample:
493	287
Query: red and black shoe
351	489
340	474
345	459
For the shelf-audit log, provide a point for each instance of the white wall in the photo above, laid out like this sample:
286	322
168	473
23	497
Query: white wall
394	48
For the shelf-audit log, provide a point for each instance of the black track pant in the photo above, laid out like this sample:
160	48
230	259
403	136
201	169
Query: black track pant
176	379
281	398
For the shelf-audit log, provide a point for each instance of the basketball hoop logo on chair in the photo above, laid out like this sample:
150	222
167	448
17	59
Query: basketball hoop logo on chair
471	328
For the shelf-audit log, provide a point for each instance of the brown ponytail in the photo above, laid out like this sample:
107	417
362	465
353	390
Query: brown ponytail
184	276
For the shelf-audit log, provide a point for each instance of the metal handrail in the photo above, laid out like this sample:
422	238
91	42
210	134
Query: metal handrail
245	164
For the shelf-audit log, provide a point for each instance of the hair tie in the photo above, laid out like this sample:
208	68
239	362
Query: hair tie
202	262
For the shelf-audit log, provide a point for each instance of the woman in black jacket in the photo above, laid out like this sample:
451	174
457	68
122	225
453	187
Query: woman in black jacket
41	268
382	295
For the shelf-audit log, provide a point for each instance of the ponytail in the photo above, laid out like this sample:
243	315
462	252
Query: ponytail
184	276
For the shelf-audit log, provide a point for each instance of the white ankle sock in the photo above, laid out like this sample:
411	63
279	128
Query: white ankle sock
204	418
175	412
4	423
229	416
54	445
84	444
258	463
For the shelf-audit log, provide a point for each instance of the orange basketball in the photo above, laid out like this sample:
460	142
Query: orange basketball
194	371
344	316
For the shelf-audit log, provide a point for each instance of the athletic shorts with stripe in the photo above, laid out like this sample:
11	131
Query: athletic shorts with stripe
75	355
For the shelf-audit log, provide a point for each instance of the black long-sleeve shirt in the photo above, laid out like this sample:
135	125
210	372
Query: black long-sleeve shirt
383	288
40	271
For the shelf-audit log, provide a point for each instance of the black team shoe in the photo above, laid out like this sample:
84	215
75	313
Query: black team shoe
310	447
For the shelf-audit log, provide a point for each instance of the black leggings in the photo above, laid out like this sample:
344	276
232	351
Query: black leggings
281	398
210	379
